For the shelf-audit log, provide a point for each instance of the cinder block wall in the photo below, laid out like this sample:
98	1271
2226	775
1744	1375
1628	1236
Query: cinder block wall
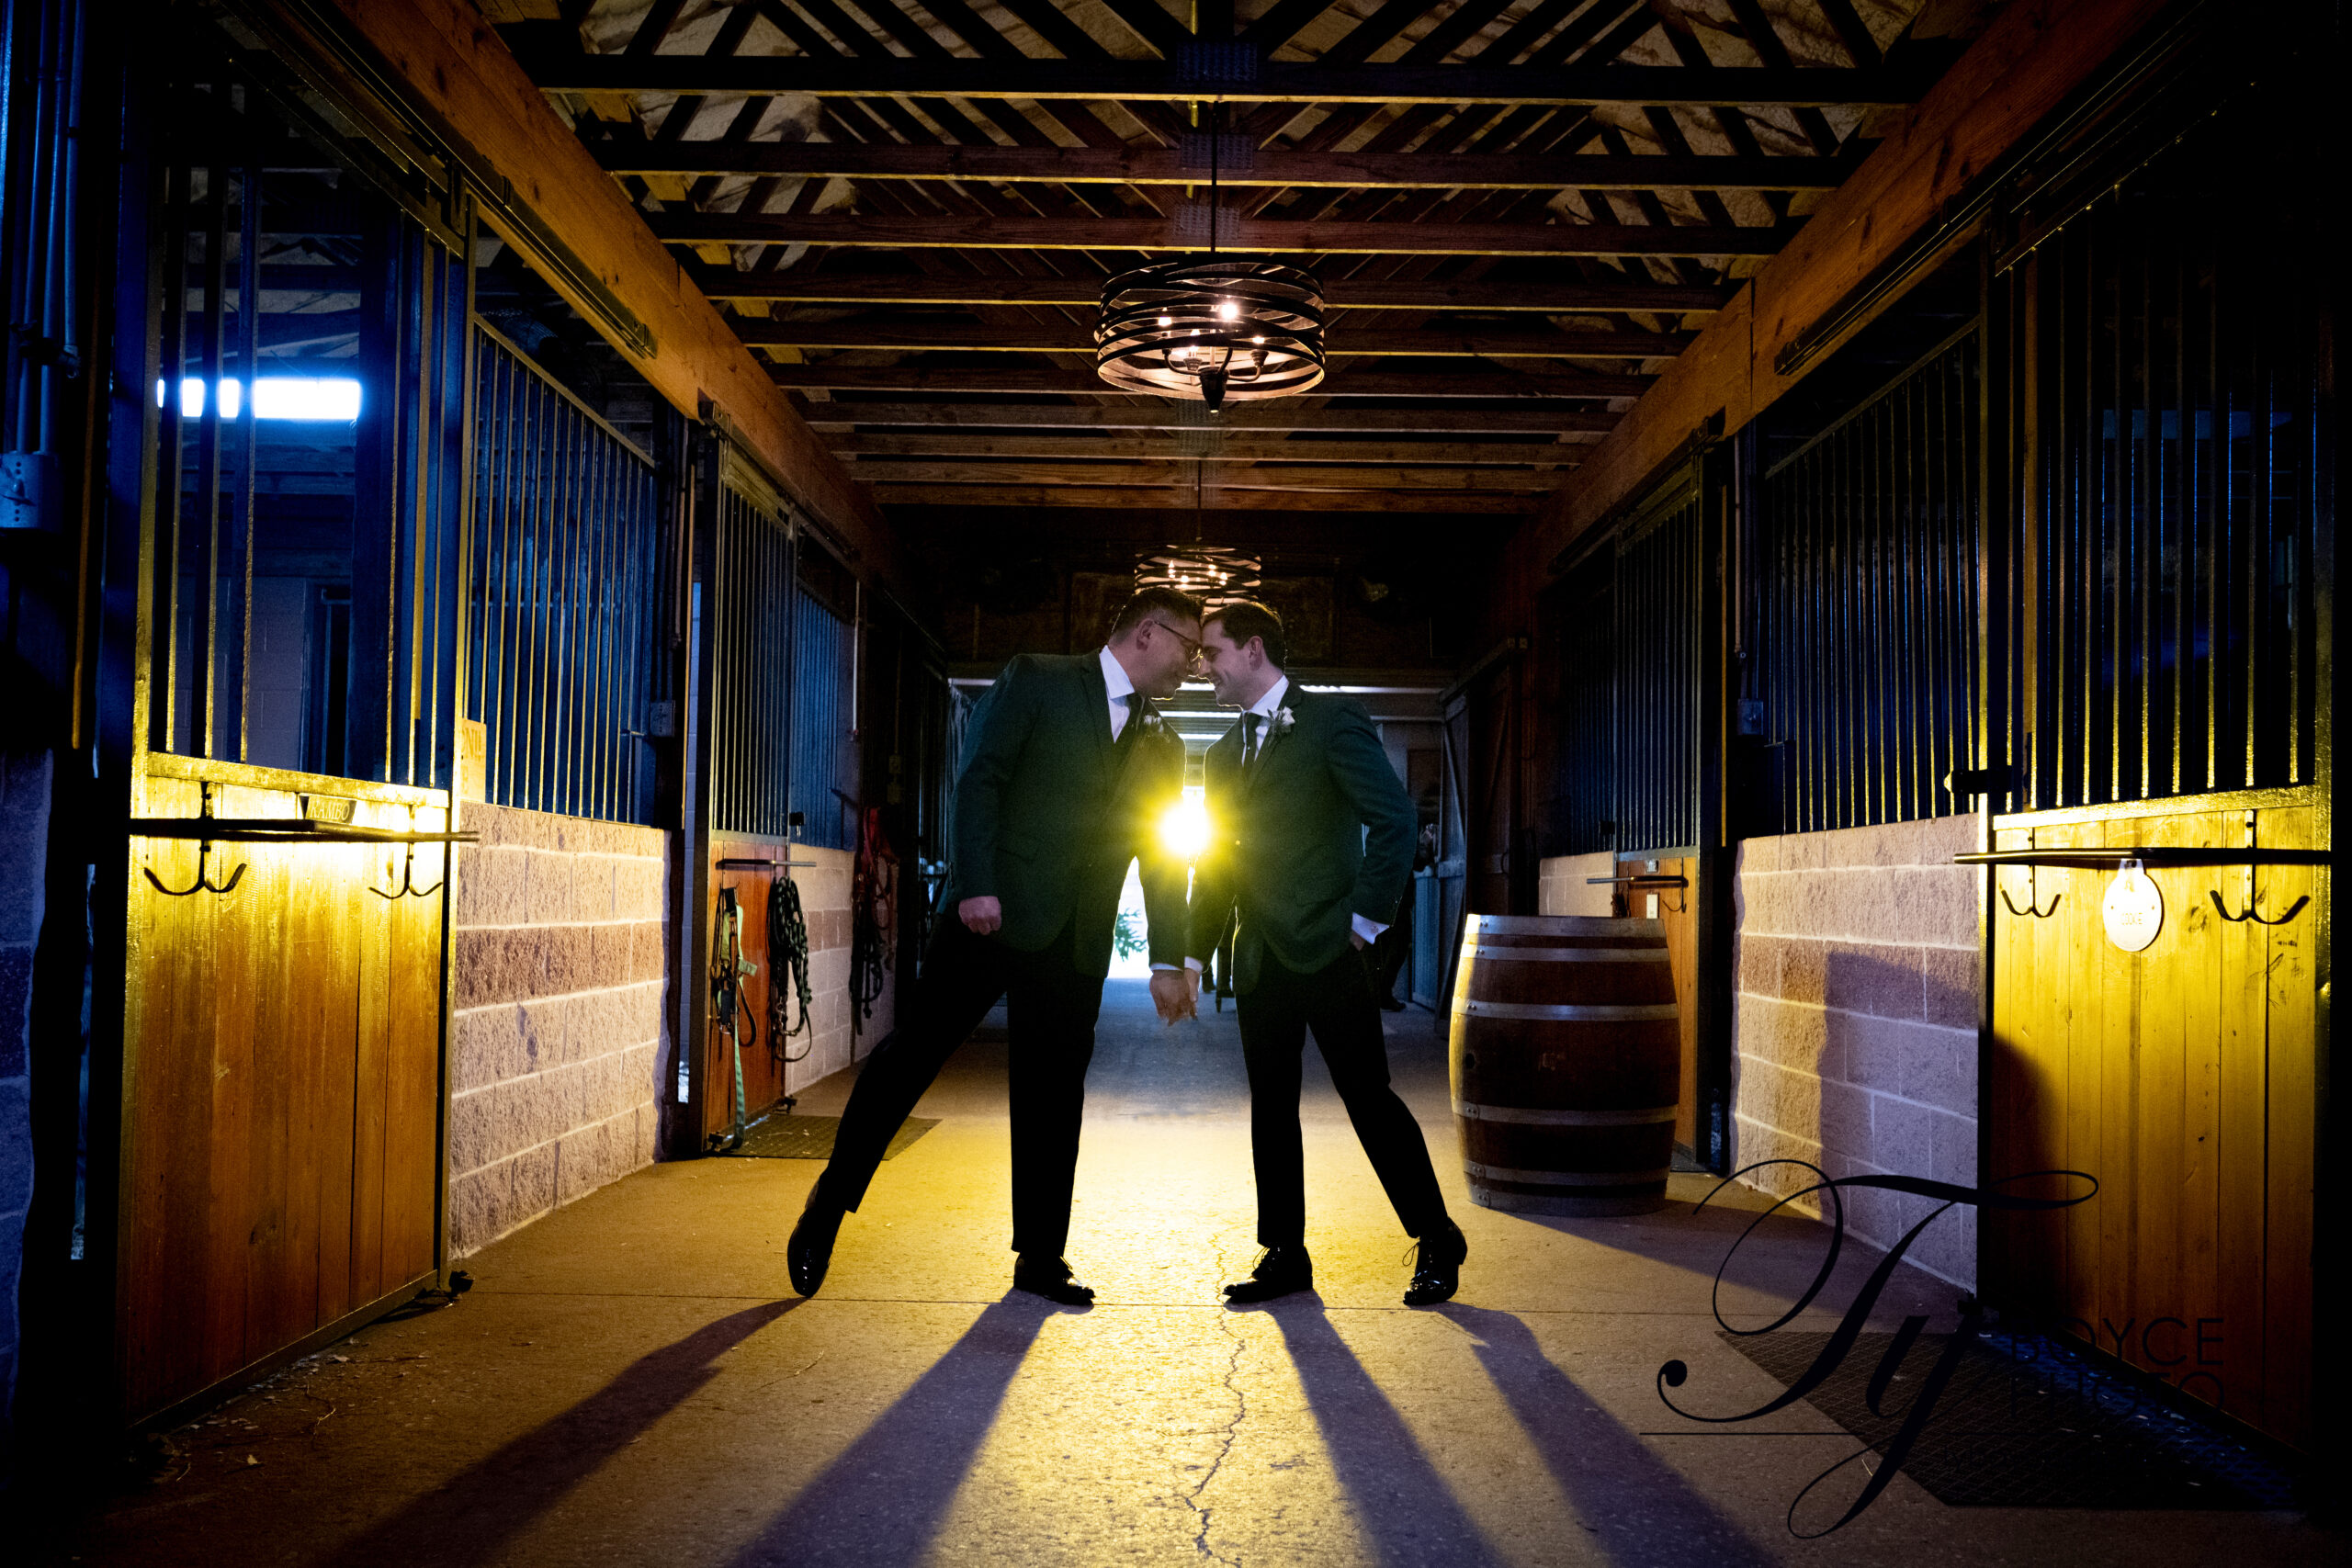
1856	1020
24	864
561	1025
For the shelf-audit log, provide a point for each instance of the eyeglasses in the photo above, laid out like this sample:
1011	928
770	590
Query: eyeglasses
1192	645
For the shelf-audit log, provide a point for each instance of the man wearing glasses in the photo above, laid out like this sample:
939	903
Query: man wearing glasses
1067	769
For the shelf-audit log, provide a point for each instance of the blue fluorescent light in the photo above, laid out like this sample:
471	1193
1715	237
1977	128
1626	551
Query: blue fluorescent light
314	397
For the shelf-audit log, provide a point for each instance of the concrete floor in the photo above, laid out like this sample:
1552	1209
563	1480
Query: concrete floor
631	1381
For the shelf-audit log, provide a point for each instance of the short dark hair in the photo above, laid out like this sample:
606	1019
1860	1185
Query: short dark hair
1140	606
1246	618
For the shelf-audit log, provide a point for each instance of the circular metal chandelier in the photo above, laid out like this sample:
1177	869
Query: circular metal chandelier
1214	327
1207	571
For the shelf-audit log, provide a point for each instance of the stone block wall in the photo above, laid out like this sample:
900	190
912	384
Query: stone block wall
561	1031
1856	1018
24	865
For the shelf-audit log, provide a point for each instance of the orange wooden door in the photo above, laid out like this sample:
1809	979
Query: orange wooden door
2184	1079
283	1091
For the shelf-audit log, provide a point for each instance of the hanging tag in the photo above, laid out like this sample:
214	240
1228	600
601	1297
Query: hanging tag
2134	908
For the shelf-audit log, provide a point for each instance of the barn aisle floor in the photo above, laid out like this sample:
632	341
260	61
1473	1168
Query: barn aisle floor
631	1381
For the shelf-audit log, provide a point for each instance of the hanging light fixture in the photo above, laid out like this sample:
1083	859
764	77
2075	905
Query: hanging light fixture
1206	571
1214	328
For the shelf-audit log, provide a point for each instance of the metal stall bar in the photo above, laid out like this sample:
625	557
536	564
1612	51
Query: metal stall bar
1866	545
566	577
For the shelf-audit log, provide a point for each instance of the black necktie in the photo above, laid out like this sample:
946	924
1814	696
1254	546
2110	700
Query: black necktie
1249	738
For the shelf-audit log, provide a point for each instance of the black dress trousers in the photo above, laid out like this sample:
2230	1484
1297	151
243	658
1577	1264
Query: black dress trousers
1336	1003
1051	1008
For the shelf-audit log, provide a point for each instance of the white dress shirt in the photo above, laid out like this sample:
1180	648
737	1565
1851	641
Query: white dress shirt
1265	707
1120	689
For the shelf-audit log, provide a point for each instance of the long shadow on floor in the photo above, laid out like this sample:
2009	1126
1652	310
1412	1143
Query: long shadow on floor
473	1518
1408	1513
1638	1509
882	1501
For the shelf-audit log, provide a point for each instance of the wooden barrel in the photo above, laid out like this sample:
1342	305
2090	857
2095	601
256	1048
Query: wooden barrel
1567	1063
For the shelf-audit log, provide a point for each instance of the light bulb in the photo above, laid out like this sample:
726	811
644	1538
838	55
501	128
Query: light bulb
1226	310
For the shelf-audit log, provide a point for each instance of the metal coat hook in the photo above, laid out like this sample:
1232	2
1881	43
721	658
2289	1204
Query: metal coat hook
2033	893
408	887
204	883
2252	897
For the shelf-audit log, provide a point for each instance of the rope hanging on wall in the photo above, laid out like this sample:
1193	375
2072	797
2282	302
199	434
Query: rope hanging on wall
787	948
873	913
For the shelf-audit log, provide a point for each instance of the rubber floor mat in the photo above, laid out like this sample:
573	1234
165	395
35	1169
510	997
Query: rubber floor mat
785	1137
2027	1423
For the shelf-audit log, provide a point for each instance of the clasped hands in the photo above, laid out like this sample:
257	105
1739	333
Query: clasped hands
1176	993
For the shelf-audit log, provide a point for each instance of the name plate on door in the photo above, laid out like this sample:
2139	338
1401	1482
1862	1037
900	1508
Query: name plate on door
2134	908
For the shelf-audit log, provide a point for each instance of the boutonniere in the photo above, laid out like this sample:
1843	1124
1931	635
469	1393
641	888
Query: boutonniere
1153	724
1283	720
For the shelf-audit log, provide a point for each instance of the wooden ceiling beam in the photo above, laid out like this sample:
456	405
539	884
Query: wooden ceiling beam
1136	498
986	232
1178	166
1272	82
913	335
1452	450
1282	477
1271	415
1011	376
1086	290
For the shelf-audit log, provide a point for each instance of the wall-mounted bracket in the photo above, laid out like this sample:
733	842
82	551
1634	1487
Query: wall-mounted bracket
2251	897
204	835
2033	893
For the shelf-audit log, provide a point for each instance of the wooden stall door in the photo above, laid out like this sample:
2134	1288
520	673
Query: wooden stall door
1677	910
282	1105
2183	1077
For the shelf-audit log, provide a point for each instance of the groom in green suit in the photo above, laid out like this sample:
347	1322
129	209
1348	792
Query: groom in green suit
1067	769
1312	848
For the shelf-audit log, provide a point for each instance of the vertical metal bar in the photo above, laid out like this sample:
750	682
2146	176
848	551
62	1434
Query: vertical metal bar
171	509
249	363
204	675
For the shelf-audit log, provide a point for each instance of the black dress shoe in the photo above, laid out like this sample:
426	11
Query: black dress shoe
1390	1004
1051	1277
1283	1271
810	1251
1437	1272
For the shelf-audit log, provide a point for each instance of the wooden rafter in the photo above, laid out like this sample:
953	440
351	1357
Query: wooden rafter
998	374
989	232
1449	451
1283	477
1085	289
1275	82
1174	167
1273	415
1126	497
912	333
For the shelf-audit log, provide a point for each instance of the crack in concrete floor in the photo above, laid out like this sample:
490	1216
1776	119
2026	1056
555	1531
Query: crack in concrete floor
1228	1324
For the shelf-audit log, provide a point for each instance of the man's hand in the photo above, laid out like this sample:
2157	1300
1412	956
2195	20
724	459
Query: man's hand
1175	993
981	915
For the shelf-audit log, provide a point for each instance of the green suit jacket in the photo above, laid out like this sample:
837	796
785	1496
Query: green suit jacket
1289	849
1050	811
